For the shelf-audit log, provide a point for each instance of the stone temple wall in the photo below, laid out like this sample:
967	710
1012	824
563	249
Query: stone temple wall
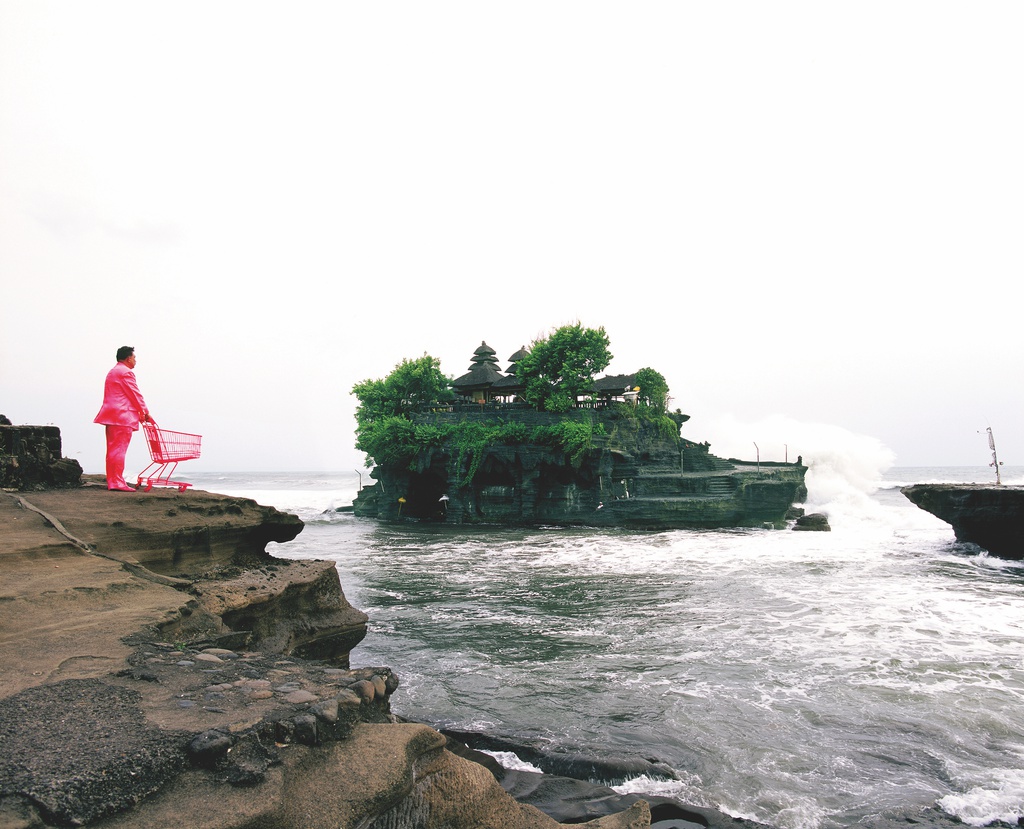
30	458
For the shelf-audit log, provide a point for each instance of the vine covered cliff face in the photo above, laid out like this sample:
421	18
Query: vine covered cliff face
612	468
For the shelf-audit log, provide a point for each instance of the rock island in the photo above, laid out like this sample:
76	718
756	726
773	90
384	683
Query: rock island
545	442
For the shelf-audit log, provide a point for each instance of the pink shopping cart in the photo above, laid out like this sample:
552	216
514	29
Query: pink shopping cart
167	448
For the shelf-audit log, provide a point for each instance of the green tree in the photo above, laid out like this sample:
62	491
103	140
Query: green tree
412	384
558	369
653	389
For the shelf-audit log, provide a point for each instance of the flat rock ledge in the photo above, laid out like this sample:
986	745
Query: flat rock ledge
162	669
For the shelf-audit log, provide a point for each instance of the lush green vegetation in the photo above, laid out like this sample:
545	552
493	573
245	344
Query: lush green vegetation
574	437
662	423
556	371
653	389
412	384
471	441
560	368
397	440
384	429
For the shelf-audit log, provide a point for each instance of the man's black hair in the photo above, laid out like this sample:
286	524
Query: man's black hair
124	352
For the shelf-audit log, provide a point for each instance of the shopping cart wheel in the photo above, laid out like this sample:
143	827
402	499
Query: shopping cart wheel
182	488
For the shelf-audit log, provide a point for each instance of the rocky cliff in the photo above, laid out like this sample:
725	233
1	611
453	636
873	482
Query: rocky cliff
161	668
635	472
989	515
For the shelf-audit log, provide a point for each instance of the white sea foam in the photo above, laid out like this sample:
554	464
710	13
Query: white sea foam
511	760
844	468
1002	799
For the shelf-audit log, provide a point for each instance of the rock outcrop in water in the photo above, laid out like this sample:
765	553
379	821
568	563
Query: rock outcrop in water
636	473
989	515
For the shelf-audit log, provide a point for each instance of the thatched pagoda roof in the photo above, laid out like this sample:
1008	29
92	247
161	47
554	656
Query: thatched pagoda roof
614	384
479	376
510	382
483	372
484	354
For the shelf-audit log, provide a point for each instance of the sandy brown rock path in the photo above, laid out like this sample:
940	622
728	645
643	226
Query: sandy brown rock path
64	611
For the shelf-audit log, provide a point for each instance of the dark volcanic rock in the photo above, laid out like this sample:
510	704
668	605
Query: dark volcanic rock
637	473
989	515
814	522
81	749
30	458
566	792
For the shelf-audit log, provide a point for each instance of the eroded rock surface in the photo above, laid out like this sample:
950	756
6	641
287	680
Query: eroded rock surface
160	666
636	473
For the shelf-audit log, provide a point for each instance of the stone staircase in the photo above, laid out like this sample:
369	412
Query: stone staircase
720	485
720	464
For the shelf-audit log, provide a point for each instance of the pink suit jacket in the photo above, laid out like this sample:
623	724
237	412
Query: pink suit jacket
122	401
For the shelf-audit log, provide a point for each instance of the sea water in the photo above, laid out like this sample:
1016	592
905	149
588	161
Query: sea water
805	680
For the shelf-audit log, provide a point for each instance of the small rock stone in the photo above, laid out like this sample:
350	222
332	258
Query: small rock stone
379	688
348	698
327	710
306	731
299	697
208	657
815	522
364	689
207	748
221	652
254	684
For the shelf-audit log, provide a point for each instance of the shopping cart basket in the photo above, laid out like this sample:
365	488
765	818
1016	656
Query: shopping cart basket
167	448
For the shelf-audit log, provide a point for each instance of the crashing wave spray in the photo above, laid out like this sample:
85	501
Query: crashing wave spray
843	468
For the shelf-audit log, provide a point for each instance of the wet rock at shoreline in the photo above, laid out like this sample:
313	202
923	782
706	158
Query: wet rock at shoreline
813	522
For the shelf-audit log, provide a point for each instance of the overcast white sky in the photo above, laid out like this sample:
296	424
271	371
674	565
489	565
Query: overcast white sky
807	215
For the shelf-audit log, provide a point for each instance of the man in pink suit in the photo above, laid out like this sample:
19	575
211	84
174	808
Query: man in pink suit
123	408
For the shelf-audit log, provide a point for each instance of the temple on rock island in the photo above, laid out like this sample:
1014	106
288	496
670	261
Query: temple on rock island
606	461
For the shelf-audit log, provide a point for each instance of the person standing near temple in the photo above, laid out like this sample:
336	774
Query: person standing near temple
122	410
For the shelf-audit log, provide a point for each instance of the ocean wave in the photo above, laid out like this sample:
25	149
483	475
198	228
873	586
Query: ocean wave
1001	799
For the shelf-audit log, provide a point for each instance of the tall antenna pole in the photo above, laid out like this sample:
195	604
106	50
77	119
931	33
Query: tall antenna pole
995	460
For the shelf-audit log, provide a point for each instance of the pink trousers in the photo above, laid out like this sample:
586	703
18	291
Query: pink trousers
118	438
